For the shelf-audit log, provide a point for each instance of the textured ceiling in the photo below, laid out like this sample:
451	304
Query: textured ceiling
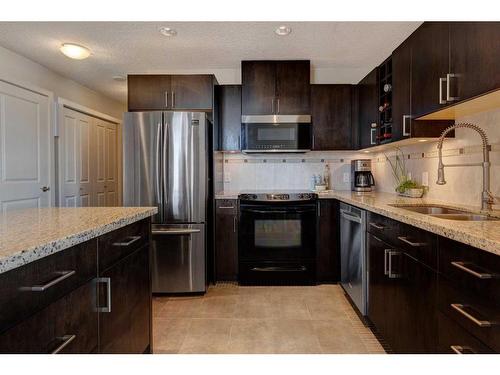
343	51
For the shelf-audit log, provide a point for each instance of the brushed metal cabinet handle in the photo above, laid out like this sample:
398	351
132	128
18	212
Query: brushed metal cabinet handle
391	274
226	207
461	309
377	226
405	132
386	270
480	275
278	106
450	98
131	240
234	224
166	99
441	100
173	99
42	288
172	232
272	105
107	281
459	349
373	133
66	341
414	244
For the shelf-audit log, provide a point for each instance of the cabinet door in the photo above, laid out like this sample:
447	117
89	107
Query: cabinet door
226	240
293	88
430	63
474	56
126	327
68	325
367	109
331	116
230	116
401	86
148	92
328	252
258	89
192	92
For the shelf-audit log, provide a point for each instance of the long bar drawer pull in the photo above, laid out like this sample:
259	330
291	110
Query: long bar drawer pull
171	232
377	226
479	275
461	309
63	275
66	341
226	207
279	269
458	349
414	244
130	241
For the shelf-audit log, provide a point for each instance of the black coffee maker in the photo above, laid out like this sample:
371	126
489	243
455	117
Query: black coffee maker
361	175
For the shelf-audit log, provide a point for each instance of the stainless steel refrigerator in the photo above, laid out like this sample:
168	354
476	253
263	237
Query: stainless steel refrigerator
165	164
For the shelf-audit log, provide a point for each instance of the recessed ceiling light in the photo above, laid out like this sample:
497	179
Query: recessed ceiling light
167	31
75	51
422	140
119	78
283	30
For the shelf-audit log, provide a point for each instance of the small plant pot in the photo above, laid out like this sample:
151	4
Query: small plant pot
413	193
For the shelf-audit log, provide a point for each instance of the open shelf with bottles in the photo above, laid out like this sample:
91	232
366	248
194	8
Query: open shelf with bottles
385	101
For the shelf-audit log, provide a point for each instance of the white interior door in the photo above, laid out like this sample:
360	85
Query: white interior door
75	162
111	172
99	186
25	149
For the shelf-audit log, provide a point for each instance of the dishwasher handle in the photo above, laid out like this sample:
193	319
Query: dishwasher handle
349	216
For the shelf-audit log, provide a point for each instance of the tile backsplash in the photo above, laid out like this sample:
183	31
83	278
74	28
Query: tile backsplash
278	172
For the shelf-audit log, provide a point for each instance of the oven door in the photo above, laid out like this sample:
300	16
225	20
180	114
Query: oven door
290	134
277	232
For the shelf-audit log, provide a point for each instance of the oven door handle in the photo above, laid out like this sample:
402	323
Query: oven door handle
293	211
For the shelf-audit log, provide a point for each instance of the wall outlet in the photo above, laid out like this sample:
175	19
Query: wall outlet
346	178
408	175
425	178
227	177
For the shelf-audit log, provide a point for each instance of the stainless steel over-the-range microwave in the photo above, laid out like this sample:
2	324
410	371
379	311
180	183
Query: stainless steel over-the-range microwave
276	133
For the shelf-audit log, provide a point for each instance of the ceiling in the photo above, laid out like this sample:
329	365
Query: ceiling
340	52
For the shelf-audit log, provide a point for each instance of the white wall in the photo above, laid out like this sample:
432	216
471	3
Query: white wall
464	184
17	68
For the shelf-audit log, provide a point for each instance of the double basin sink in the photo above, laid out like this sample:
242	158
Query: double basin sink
446	213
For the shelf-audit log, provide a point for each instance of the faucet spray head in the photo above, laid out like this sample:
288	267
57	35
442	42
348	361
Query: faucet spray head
441	180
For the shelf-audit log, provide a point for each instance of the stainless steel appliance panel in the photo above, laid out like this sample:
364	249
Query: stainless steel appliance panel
178	258
142	136
184	160
353	276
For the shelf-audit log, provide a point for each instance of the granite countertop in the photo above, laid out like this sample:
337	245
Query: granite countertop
31	234
481	234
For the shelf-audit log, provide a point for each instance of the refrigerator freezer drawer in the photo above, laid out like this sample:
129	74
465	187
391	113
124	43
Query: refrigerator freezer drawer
178	262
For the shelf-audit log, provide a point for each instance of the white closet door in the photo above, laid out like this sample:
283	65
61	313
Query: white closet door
75	161
106	177
25	149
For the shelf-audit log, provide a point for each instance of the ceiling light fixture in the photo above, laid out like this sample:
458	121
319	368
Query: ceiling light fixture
75	51
167	31
283	30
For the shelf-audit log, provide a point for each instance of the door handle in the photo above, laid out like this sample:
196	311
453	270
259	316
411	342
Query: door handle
173	232
441	100
66	341
480	275
414	244
107	281
131	240
45	188
450	98
280	269
63	275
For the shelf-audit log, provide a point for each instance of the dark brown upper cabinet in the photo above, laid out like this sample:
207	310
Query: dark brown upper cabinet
401	91
430	65
275	87
331	117
367	110
170	92
229	100
474	58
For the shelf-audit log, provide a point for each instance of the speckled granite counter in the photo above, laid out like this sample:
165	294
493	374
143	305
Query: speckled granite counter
28	235
481	234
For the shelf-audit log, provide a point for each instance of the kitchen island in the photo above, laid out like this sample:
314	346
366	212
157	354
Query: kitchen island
75	280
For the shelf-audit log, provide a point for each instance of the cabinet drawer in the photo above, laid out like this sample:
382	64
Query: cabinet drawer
68	325
453	339
227	206
382	227
477	315
418	243
30	288
118	244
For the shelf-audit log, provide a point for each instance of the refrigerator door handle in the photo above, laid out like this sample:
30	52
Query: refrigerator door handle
158	194
164	159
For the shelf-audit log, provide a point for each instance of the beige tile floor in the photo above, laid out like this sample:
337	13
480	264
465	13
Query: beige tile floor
233	319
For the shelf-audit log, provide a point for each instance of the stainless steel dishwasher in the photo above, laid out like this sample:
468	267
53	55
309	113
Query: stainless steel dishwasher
353	257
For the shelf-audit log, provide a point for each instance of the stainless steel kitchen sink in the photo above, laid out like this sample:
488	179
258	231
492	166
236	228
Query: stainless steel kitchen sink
446	213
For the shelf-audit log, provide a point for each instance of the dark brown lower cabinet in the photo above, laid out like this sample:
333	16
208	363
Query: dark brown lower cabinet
124	320
328	250
67	326
226	240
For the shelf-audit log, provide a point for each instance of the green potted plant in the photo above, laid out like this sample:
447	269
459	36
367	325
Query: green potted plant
404	185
